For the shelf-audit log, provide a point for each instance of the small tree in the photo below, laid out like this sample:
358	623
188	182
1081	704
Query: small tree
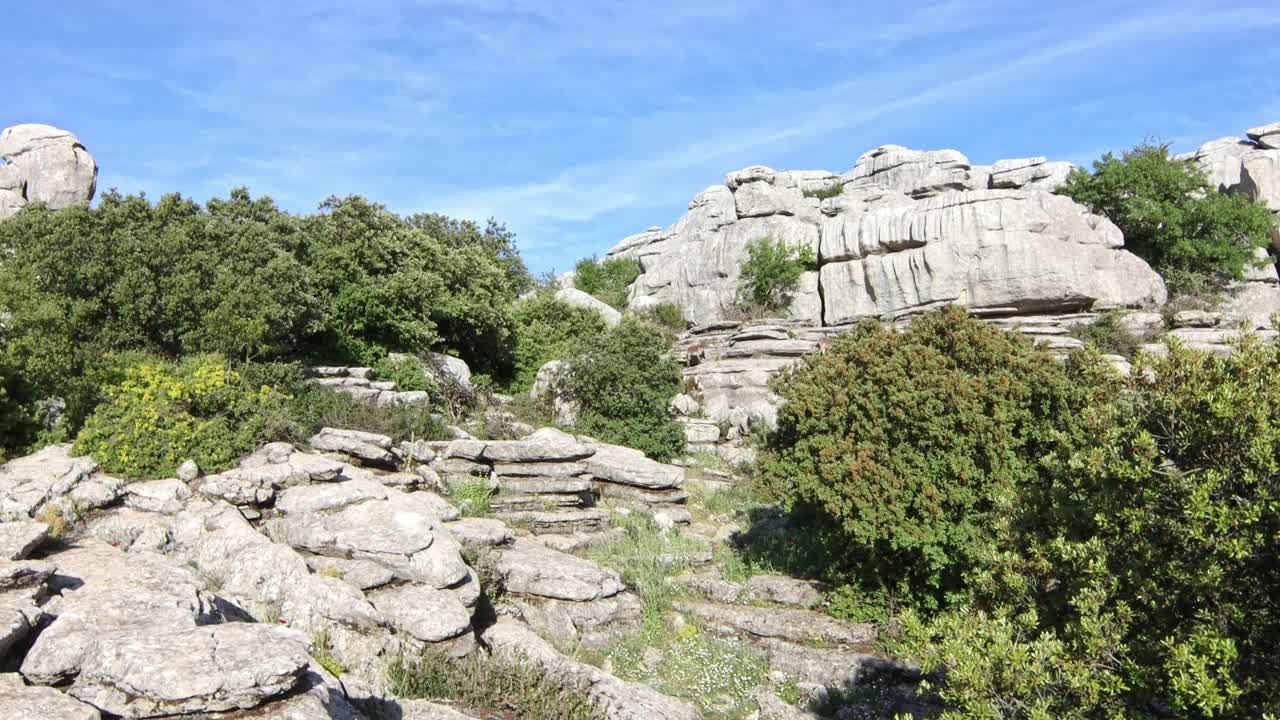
606	280
771	272
623	382
1170	215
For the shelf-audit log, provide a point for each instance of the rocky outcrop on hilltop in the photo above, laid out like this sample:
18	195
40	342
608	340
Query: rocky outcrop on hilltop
46	165
901	232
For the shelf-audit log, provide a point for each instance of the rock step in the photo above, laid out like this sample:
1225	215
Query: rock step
561	522
787	624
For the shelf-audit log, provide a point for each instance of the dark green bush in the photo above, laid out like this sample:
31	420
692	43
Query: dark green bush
1140	576
771	271
1108	335
160	413
668	315
545	329
606	280
833	190
406	371
623	382
243	279
909	448
1170	215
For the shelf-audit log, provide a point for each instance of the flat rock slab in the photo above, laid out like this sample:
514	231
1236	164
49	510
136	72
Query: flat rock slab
545	445
27	483
365	447
272	467
24	573
614	463
23	702
480	532
528	567
427	614
214	668
19	538
560	522
792	625
786	590
158	496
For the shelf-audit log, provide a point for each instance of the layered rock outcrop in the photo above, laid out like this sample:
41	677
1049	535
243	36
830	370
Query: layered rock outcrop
901	232
46	165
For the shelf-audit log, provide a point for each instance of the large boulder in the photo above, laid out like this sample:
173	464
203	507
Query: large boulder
574	296
44	164
903	231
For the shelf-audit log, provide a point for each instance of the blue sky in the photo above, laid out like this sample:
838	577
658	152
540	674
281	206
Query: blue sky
578	123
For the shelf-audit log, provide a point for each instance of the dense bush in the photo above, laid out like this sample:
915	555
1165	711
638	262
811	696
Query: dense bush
1103	546
607	279
623	382
1170	215
771	271
545	329
668	315
908	448
243	279
1108	334
406	371
158	414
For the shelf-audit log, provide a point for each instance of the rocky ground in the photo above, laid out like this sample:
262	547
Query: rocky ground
284	587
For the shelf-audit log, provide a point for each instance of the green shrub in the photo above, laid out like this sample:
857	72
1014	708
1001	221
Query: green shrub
243	279
160	413
1170	215
623	382
668	315
485	684
1108	335
833	190
406	371
908	448
1139	574
546	329
606	280
771	272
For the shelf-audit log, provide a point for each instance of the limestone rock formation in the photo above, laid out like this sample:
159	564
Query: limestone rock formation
44	164
901	232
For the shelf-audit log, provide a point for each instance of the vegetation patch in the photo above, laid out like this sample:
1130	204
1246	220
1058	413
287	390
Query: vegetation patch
1108	334
771	272
835	189
1171	216
606	280
517	686
547	329
623	382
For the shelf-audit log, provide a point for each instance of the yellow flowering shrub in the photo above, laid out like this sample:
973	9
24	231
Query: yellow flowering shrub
160	413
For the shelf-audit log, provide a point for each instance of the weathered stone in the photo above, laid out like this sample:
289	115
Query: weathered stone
593	623
328	496
561	522
20	538
141	674
1029	174
365	447
45	165
23	573
711	586
1195	319
530	568
544	445
700	432
188	471
272	467
480	532
158	496
428	614
918	173
1267	136
573	296
617	464
685	405
786	590
362	574
799	626
27	483
446	369
22	702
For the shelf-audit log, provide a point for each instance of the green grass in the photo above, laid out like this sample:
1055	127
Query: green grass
517	686
471	496
320	651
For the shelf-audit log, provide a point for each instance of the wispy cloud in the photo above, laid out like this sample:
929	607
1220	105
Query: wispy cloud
579	122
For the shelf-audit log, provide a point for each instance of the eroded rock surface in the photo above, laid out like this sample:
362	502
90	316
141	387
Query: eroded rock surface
43	164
